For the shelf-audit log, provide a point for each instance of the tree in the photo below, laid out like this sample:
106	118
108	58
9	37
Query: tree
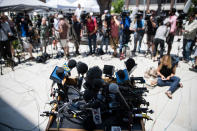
118	4
104	5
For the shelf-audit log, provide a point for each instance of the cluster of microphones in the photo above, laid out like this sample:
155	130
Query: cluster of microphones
114	97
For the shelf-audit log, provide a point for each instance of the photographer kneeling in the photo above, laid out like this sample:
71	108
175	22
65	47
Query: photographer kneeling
166	72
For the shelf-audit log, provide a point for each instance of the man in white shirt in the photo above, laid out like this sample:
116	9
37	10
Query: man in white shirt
78	12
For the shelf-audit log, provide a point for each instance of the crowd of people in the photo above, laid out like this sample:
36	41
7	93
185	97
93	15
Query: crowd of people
116	31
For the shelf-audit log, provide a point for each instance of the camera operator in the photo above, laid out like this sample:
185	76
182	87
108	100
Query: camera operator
91	30
189	34
173	20
114	34
55	30
78	12
139	32
125	32
76	33
160	38
151	30
63	27
24	27
106	32
44	34
5	32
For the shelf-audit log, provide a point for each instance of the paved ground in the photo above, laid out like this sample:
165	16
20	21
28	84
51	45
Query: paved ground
25	92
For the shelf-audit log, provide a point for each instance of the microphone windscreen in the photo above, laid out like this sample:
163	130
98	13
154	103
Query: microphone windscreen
82	68
94	73
71	64
108	70
130	63
113	88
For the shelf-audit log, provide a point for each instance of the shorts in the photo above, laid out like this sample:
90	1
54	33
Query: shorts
26	43
57	35
43	42
114	43
150	38
64	42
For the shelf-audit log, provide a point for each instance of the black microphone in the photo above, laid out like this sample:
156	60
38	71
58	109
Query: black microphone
113	88
94	73
82	68
130	64
71	64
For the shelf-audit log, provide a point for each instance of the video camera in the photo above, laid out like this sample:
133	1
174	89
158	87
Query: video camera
108	18
84	15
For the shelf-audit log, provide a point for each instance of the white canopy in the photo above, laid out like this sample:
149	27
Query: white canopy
16	5
87	5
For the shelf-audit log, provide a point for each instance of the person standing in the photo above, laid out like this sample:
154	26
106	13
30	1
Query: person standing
55	30
63	28
173	21
151	30
44	34
189	35
91	30
114	37
24	27
139	32
5	32
78	12
76	33
160	38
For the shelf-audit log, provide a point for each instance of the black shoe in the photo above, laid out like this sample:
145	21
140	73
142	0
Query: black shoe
90	53
77	53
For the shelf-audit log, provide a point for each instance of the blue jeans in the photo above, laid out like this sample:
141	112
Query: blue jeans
187	48
138	37
105	41
173	83
90	39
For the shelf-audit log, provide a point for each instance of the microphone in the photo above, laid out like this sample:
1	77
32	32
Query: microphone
130	64
71	64
82	68
94	73
113	88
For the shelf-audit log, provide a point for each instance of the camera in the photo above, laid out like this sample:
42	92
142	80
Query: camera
84	14
147	17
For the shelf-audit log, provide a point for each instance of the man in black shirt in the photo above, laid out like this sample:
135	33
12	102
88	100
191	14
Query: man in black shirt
76	33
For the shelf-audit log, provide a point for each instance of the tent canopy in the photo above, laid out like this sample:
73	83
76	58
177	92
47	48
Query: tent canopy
20	5
87	5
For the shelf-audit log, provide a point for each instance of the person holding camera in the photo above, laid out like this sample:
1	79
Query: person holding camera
114	34
189	35
139	32
151	30
125	32
5	33
166	75
76	33
24	27
91	30
44	34
105	31
173	21
63	27
160	38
